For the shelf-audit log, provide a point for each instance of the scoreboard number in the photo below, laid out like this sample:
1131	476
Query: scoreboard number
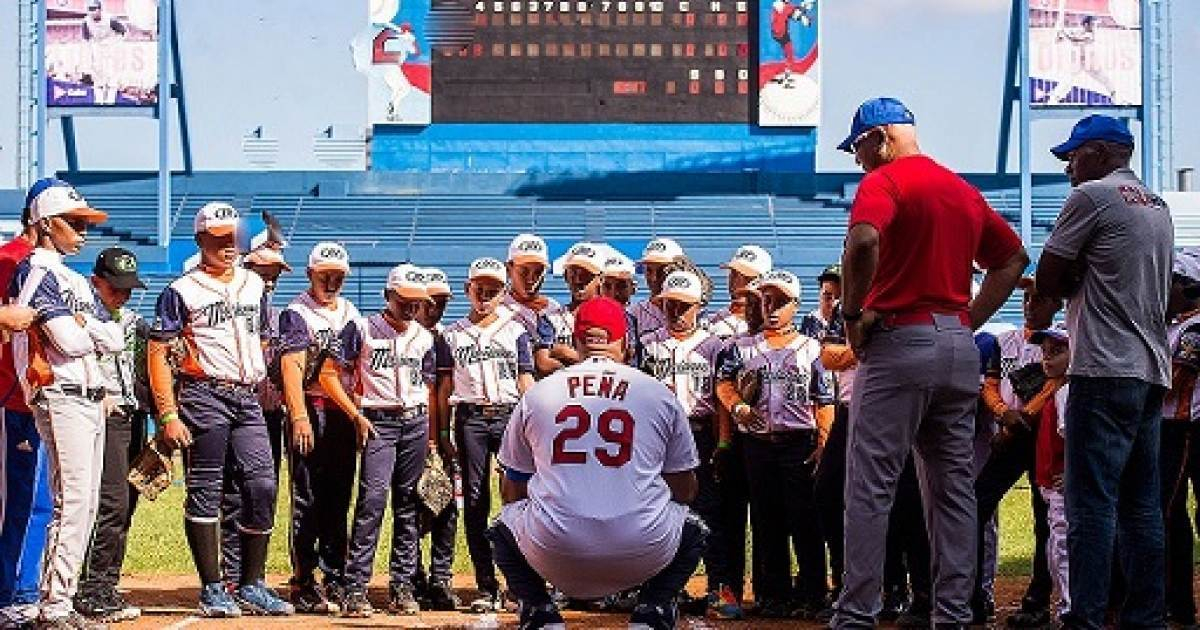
497	7
714	6
743	74
656	7
684	6
741	6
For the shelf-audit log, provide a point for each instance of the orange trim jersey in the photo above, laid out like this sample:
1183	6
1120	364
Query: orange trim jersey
1183	400
223	325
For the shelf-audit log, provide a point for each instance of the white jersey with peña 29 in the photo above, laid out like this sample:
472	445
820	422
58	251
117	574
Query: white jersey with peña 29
597	438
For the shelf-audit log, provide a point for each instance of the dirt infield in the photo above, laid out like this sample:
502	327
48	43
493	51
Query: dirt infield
168	602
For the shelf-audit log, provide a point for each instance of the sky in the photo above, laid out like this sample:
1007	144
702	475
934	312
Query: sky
284	65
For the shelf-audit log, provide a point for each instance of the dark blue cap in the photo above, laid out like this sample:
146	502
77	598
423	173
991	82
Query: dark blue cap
876	113
1094	127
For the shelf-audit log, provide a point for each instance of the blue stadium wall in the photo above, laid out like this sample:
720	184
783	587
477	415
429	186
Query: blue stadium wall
612	159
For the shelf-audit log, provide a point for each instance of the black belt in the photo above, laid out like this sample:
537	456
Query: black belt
794	436
486	411
404	413
233	386
94	394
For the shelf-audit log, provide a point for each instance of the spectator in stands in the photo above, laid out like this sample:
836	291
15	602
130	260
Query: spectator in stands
915	229
1110	253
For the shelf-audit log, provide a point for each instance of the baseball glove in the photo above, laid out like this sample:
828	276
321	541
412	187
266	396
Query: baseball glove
685	264
151	472
749	386
1027	381
435	487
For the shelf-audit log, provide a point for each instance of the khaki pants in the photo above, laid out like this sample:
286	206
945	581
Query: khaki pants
72	428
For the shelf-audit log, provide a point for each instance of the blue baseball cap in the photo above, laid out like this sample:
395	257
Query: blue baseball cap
1094	127
876	113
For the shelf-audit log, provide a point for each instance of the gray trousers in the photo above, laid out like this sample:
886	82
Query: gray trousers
916	388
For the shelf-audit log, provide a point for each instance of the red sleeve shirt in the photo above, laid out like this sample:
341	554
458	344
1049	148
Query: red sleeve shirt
932	226
11	253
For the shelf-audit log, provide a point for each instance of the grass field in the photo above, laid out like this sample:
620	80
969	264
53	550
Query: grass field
157	545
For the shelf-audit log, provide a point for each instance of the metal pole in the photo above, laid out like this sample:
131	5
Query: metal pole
68	132
41	88
1026	131
1149	132
1006	107
164	125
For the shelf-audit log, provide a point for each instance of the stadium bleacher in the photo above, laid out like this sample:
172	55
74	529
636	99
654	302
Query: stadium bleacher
804	234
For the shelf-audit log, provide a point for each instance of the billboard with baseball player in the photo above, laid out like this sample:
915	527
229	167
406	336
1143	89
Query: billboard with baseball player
393	53
789	69
102	53
1085	53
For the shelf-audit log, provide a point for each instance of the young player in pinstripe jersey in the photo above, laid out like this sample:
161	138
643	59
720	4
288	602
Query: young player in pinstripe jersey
434	590
392	359
648	313
749	262
553	345
684	356
322	436
528	262
484	366
786	429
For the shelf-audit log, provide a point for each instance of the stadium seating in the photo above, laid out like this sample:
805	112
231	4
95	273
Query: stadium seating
448	231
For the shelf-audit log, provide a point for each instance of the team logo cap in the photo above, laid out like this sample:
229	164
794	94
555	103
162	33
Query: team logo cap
785	281
216	218
436	282
751	261
51	197
407	281
329	256
487	268
526	248
661	250
684	286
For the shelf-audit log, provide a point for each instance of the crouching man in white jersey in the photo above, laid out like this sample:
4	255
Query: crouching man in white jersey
598	461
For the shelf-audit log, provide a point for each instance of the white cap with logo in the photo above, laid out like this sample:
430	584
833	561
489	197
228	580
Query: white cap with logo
684	286
662	251
217	218
585	255
329	256
436	281
751	261
407	281
526	248
618	265
487	268
783	280
51	197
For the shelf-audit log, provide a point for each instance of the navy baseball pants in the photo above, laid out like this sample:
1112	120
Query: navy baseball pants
231	501
392	460
478	438
322	483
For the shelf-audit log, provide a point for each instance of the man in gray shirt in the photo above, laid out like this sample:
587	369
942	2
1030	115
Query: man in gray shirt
1110	254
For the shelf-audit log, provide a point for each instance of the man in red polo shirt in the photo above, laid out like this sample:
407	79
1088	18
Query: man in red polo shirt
916	228
26	490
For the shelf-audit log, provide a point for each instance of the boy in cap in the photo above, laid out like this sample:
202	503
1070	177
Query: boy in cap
786	429
26	488
749	263
528	263
683	357
553	349
322	437
658	253
268	263
434	590
391	357
208	338
57	361
1179	457
114	277
484	365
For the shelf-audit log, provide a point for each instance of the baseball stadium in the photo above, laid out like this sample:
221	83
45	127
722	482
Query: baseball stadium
639	314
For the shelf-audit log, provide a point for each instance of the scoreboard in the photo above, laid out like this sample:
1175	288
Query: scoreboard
600	61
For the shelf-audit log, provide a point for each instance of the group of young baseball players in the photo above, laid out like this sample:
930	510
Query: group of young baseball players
235	383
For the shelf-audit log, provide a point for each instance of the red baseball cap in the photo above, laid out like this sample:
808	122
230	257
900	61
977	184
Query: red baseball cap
604	313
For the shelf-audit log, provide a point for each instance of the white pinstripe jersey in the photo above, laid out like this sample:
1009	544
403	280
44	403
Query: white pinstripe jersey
222	324
485	361
306	325
723	324
1015	352
524	315
556	326
1184	340
392	368
792	379
686	366
649	317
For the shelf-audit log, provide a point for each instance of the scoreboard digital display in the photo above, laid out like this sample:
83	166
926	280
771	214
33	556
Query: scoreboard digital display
599	60
591	61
